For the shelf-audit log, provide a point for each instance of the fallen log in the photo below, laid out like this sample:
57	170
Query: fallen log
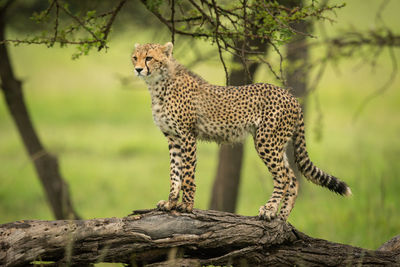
155	238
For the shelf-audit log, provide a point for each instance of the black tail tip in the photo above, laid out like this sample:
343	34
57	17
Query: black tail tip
339	187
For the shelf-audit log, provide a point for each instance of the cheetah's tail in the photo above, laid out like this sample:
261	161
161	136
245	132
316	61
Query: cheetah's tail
309	170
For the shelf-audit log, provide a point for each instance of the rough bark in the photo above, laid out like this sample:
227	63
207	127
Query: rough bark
155	238
227	179
391	245
46	165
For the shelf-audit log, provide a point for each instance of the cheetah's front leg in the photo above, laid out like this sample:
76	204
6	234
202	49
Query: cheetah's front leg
175	153
189	168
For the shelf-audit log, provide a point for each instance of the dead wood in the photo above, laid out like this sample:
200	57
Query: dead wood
155	238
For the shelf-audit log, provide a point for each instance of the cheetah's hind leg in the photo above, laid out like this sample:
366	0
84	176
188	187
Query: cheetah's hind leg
291	193
270	149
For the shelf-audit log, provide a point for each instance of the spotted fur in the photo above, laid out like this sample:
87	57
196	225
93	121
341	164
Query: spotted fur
187	108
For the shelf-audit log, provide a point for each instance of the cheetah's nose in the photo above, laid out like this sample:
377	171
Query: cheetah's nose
138	70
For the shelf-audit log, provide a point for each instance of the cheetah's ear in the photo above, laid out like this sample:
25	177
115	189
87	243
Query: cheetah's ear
136	45
168	49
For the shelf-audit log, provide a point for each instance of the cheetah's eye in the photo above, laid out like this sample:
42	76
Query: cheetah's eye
135	58
149	58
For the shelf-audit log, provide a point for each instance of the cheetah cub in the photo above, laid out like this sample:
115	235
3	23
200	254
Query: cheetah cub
187	108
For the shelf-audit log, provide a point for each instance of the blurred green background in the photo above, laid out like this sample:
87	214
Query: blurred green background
96	117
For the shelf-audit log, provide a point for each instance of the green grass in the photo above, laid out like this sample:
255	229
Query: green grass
116	160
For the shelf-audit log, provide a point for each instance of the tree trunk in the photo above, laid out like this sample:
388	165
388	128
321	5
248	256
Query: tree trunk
46	165
155	238
227	180
297	55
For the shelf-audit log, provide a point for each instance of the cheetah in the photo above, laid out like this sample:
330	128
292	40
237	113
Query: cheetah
186	108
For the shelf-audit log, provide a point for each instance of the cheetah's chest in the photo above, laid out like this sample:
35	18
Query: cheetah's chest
163	119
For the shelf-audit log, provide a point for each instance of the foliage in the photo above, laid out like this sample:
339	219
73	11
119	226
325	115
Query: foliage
231	25
225	22
87	30
229	22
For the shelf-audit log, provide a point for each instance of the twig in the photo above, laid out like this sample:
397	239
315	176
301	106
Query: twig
378	16
218	44
173	21
243	57
270	67
284	25
185	19
47	41
56	22
282	78
318	76
110	22
80	22
202	12
382	89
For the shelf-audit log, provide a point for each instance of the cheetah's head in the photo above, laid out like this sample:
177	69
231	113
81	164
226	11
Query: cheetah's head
151	60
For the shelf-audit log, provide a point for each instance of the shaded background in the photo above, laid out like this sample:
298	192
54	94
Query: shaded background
96	117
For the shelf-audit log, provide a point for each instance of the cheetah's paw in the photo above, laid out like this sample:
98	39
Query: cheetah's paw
267	213
185	207
166	205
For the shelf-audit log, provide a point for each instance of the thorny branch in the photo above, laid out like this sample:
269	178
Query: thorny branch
243	57
95	27
227	24
56	22
78	20
110	22
173	21
283	25
218	43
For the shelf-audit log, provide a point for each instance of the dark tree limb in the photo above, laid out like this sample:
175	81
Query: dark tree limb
46	165
156	238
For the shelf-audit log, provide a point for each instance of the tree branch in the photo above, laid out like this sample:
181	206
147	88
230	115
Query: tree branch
110	22
221	57
79	21
380	38
46	165
158	238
